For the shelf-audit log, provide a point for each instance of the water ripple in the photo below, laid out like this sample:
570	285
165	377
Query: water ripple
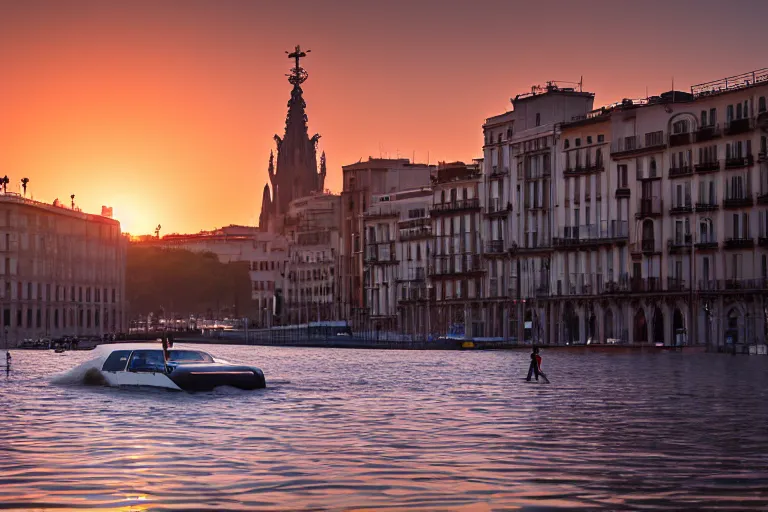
348	429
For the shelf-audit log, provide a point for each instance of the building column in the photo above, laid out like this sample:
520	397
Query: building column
583	324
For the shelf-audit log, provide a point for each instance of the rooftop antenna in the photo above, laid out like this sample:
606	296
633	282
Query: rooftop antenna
581	83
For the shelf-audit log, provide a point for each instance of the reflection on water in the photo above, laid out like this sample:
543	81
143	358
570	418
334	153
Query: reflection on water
423	430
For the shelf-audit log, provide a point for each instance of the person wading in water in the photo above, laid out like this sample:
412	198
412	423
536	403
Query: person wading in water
535	367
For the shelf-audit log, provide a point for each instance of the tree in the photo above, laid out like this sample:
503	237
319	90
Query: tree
192	283
5	181
157	231
72	197
24	182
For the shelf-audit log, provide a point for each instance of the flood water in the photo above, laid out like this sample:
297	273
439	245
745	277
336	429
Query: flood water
345	429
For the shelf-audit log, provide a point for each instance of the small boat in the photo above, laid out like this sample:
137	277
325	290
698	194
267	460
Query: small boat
59	350
186	369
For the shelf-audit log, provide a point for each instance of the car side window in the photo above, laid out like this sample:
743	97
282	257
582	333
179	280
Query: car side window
147	361
116	361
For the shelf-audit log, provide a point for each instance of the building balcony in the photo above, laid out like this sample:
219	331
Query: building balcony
415	233
649	284
739	202
706	133
706	245
496	207
494	247
678	172
622	192
707	207
739	243
680	139
679	243
648	207
762	199
633	145
737	126
686	207
580	284
592	234
744	284
648	246
675	284
739	162
584	170
455	265
381	211
460	205
498	172
706	167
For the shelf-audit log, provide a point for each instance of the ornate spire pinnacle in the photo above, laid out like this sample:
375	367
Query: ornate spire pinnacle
266	209
321	176
298	74
271	169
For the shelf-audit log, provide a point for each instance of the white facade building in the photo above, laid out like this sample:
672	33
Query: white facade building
397	232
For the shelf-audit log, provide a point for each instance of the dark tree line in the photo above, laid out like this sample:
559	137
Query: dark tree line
183	282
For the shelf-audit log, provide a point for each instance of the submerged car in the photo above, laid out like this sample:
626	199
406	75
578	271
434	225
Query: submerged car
186	369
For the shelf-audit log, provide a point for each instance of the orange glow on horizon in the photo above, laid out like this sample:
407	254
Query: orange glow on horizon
166	110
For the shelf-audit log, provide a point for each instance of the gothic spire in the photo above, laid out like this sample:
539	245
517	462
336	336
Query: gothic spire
266	209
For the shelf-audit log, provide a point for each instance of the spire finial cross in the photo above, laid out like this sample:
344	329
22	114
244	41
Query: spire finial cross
298	74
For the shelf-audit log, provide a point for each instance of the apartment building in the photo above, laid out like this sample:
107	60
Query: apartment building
362	181
664	241
456	269
397	232
63	271
519	154
312	226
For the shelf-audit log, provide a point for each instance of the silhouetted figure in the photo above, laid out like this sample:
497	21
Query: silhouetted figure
533	369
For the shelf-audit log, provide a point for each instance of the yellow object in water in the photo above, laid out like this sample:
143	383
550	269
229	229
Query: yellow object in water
468	344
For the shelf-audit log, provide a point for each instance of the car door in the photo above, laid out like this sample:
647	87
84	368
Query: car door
115	365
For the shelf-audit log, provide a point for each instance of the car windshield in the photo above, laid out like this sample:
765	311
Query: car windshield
147	361
178	356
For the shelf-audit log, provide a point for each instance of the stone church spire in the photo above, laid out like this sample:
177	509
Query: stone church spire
296	172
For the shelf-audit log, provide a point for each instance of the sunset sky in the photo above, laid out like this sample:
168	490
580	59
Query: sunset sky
165	110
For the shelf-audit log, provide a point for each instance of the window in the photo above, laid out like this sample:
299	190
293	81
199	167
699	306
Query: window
578	142
566	144
712	116
706	231
729	114
589	139
622	176
680	127
761	104
538	119
703	118
601	138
